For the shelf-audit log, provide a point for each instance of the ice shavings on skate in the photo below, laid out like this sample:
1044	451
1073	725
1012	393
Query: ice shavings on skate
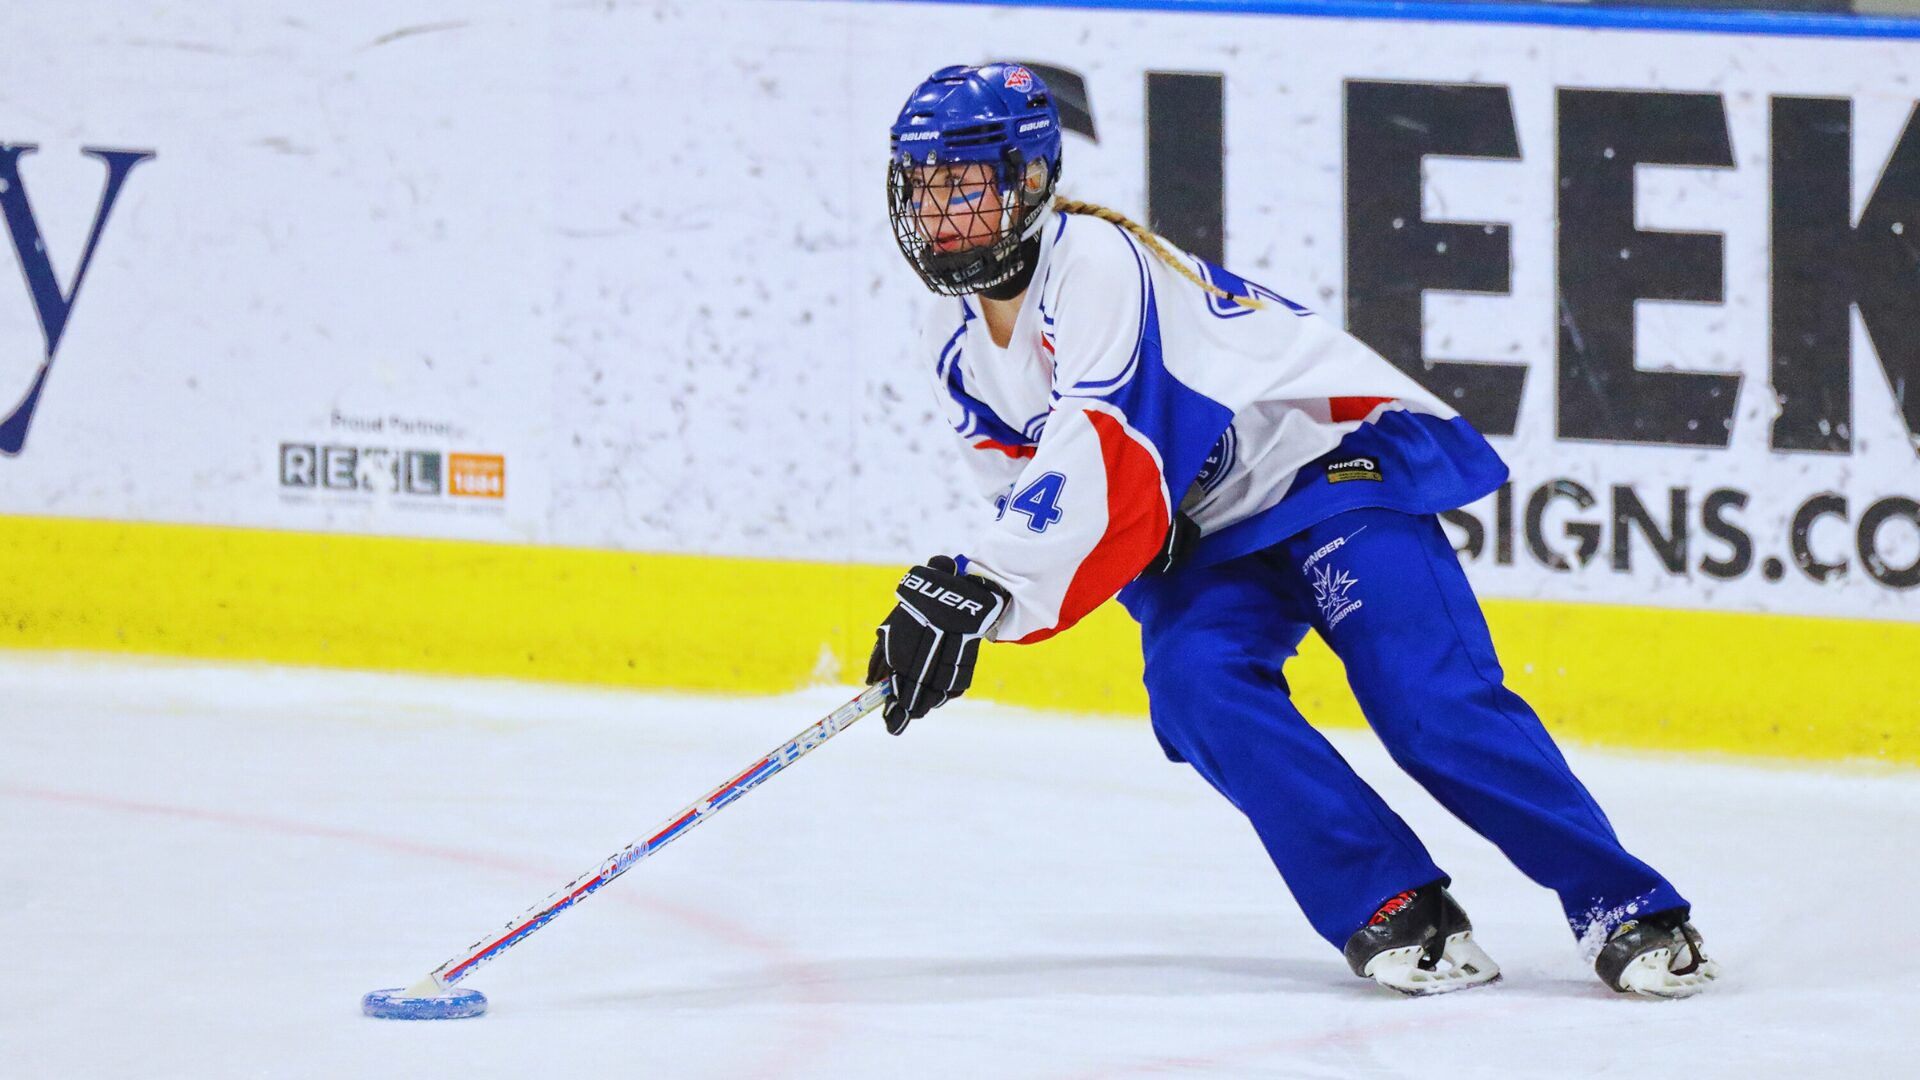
1655	955
1597	927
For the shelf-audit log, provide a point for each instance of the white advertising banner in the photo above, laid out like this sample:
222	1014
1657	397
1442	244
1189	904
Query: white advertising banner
621	276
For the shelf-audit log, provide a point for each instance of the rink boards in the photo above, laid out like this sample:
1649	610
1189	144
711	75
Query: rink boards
571	342
1782	686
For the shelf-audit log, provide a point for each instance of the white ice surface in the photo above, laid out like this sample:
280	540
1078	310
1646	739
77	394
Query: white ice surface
203	868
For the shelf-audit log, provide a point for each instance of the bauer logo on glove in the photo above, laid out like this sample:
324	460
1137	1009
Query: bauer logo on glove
926	647
916	583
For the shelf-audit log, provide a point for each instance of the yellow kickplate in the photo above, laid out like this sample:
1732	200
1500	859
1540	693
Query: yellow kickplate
1772	685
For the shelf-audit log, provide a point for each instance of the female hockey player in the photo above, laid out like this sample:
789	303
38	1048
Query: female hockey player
1238	470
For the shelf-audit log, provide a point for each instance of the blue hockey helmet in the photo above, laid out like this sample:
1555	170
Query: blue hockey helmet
963	133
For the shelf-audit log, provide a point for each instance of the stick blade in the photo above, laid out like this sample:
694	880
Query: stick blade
398	1004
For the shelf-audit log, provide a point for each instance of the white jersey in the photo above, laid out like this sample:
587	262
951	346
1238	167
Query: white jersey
1127	390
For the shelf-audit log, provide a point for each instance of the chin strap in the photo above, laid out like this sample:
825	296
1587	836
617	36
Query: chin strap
1039	218
1029	258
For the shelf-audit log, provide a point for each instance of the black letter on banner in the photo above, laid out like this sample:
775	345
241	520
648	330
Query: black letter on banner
1629	510
1713	518
1586	534
1394	256
1822	263
1606	264
1186	161
1894	577
1503	524
1801	539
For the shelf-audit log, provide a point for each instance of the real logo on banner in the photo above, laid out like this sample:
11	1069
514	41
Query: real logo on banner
416	478
366	469
387	471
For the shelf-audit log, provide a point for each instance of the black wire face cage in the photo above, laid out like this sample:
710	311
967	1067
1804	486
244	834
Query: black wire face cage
973	269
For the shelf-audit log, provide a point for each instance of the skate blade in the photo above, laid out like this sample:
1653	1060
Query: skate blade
1651	975
1462	966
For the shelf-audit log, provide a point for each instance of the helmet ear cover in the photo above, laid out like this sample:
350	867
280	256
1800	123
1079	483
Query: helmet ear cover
1036	180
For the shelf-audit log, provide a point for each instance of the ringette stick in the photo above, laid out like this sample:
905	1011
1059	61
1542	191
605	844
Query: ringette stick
621	861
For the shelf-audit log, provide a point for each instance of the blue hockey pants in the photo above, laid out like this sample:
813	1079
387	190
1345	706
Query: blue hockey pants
1386	592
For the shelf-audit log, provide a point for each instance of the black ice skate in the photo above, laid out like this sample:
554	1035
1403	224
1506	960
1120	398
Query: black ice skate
1656	956
1419	943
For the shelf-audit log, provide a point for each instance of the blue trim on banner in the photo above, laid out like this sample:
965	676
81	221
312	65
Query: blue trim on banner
1788	24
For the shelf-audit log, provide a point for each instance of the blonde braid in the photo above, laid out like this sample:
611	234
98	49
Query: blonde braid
1154	244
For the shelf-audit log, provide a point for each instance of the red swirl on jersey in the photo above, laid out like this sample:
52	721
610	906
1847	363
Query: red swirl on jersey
1012	450
1344	409
1137	517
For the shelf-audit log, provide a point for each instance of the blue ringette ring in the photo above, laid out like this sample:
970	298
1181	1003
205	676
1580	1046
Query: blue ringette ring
393	1004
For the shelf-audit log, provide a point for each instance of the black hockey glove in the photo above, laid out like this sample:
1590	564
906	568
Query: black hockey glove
1180	537
929	642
